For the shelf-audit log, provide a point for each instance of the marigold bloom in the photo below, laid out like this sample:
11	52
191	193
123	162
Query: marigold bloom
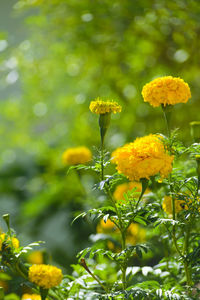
123	188
135	234
166	90
31	297
102	107
45	276
35	257
167	205
76	155
14	241
143	158
107	227
180	204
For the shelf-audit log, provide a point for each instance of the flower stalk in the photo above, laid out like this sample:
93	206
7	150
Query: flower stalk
104	122
43	293
84	265
167	111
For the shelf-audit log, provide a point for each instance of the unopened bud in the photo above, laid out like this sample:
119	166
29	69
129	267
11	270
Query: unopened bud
104	122
6	218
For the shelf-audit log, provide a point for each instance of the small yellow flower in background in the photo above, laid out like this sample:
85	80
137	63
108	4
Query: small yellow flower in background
45	276
31	297
167	205
180	204
166	90
76	155
99	106
143	158
14	241
123	188
35	257
135	234
111	246
107	227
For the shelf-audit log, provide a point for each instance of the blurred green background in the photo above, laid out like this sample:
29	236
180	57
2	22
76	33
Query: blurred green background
55	57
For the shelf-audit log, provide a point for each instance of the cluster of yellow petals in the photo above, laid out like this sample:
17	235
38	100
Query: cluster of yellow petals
45	276
135	233
167	205
102	107
166	90
35	257
13	241
180	204
123	188
106	227
143	158
31	297
76	155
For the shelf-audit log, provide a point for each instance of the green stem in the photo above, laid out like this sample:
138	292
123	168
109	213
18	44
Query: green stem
19	270
102	159
187	273
123	235
198	185
186	245
82	189
43	293
167	116
124	265
173	199
175	243
84	265
104	121
187	235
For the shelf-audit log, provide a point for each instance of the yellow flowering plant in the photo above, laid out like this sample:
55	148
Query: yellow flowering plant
148	160
130	223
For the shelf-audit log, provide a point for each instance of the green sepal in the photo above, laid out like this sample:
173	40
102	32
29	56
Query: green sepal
104	122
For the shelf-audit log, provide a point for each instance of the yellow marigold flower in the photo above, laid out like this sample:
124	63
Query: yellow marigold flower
167	205
107	227
102	107
135	234
45	276
179	204
111	245
166	90
123	188
31	297
14	241
76	155
35	257
143	158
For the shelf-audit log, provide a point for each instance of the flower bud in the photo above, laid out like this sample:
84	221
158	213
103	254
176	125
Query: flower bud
104	122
